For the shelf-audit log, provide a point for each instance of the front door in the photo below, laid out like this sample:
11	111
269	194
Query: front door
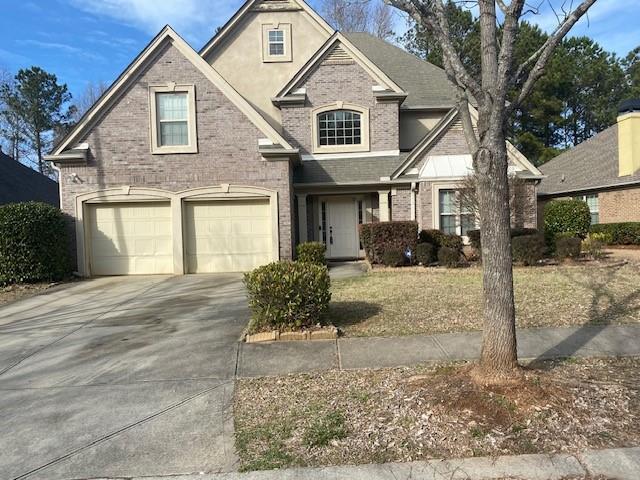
340	221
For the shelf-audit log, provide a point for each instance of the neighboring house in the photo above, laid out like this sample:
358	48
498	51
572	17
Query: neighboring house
19	183
280	130
604	171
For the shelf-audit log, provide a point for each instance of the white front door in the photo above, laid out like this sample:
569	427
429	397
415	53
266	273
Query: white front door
341	224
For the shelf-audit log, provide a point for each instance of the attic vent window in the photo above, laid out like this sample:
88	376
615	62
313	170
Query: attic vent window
276	43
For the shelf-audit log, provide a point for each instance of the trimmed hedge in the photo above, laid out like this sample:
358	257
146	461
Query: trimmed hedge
528	249
626	233
566	216
378	238
311	252
439	239
568	246
474	235
425	253
34	243
449	257
287	295
393	258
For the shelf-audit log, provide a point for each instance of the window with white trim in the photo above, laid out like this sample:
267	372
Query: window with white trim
339	127
173	119
594	206
276	43
455	219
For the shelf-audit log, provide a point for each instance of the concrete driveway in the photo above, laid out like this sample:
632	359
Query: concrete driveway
119	377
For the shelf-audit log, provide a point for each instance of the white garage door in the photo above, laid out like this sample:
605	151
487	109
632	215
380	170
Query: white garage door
130	238
228	236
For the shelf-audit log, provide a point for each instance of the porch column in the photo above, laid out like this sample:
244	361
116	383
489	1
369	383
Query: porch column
383	202
302	217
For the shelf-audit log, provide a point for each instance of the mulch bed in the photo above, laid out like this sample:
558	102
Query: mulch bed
377	416
12	293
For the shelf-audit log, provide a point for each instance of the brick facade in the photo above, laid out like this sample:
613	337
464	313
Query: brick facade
401	204
227	146
346	82
622	205
450	142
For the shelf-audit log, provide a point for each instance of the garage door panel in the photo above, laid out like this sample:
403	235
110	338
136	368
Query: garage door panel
227	236
130	239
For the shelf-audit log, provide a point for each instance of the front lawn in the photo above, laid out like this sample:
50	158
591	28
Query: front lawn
431	300
377	416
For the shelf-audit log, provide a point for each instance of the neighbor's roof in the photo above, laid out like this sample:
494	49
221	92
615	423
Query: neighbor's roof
346	170
19	183
590	165
426	84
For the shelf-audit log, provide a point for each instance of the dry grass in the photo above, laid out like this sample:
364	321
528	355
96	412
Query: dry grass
377	416
12	293
418	300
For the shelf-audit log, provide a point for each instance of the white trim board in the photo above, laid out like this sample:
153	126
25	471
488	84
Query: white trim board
337	156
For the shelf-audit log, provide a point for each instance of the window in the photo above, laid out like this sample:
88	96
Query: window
340	127
455	219
594	206
276	42
173	119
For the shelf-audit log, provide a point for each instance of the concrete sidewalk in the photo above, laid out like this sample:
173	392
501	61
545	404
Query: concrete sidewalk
277	358
619	463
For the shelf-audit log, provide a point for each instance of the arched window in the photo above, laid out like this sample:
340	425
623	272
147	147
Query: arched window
339	127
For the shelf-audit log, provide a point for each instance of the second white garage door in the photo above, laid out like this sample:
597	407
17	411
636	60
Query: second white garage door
228	236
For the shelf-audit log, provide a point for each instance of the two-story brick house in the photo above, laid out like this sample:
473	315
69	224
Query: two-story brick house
280	130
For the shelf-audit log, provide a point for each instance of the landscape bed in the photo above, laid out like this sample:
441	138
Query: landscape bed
419	300
407	414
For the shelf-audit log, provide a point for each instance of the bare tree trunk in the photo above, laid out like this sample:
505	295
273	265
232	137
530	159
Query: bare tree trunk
39	152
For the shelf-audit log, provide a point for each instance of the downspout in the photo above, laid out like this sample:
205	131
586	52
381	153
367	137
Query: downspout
413	201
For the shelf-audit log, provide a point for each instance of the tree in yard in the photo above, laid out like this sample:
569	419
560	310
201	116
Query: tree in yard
12	131
632	72
374	17
499	77
37	100
90	95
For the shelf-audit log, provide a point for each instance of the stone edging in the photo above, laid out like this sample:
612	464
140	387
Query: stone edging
327	333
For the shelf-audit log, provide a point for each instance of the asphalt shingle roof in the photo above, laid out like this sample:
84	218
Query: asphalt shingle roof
19	183
589	165
346	170
426	84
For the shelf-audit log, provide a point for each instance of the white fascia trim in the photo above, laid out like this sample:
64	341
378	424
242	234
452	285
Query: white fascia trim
335	156
264	142
207	70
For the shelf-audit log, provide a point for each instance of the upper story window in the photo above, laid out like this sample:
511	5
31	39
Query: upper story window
173	119
594	206
340	127
276	42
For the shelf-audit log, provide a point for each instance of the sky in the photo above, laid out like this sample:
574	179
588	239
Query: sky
84	41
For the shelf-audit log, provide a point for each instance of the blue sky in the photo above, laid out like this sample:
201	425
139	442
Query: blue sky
85	41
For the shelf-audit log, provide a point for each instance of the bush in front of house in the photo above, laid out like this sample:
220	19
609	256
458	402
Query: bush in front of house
567	245
449	257
566	217
475	242
287	295
625	233
393	257
425	254
434	237
528	249
380	237
439	239
594	244
311	252
34	243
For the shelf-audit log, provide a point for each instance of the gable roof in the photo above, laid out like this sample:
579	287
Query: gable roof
338	38
590	165
246	8
167	34
427	85
19	183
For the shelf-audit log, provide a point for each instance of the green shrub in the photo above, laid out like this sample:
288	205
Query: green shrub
377	238
425	253
568	246
434	237
393	258
452	241
626	233
594	244
474	235
449	257
528	249
311	252
287	295
34	243
566	216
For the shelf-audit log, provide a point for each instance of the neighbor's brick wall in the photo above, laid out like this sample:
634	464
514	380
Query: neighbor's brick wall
621	205
347	82
227	145
401	205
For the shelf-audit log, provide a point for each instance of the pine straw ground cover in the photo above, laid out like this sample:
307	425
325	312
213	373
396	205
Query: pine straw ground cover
377	416
419	300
